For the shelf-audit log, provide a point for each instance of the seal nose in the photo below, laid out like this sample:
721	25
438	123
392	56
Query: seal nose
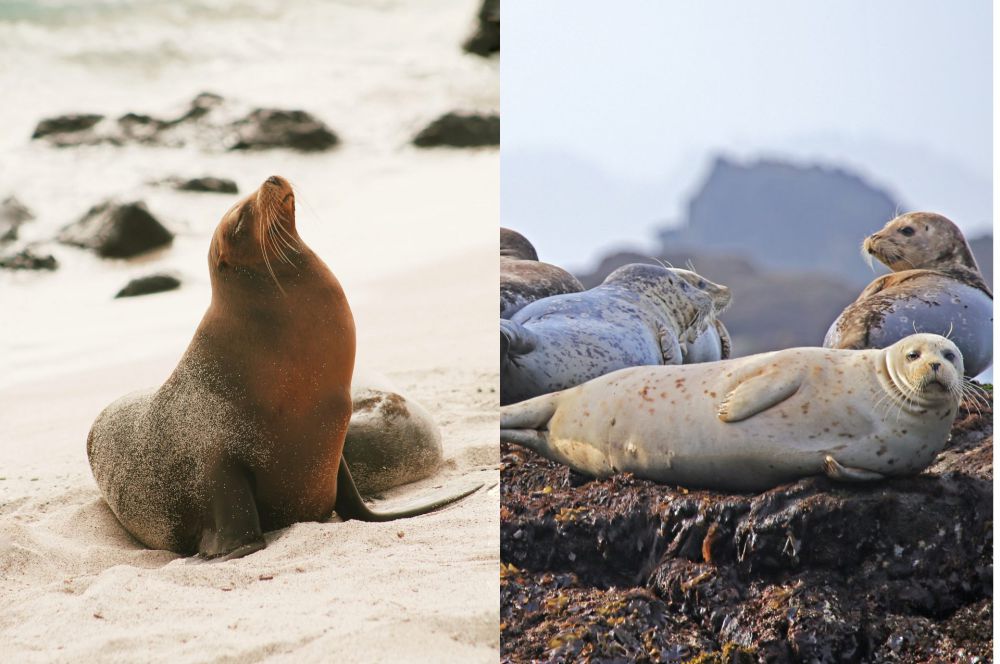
935	365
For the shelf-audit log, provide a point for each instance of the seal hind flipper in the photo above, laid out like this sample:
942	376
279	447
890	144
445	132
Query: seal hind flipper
835	471
757	394
515	339
232	524
350	505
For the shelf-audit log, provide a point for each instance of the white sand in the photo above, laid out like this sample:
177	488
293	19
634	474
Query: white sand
75	587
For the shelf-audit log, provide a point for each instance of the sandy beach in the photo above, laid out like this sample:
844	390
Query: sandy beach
75	587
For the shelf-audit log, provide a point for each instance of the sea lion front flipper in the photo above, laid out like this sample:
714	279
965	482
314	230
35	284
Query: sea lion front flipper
835	471
757	394
232	525
350	505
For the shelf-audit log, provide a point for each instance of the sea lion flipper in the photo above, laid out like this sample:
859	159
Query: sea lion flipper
350	505
232	525
835	471
757	394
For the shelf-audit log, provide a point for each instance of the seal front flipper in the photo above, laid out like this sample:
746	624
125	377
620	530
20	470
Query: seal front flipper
231	527
757	394
349	504
835	471
670	347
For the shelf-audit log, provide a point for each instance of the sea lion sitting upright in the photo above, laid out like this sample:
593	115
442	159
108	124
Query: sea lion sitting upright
641	314
247	433
935	287
751	423
524	279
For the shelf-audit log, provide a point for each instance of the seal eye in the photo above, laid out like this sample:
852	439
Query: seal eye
950	356
912	355
701	284
907	231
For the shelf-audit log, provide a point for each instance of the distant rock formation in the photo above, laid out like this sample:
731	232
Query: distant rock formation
460	130
485	41
785	216
117	230
153	283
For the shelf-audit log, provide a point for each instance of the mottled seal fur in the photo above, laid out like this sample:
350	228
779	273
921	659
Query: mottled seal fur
640	315
391	440
935	286
247	433
751	423
714	343
524	279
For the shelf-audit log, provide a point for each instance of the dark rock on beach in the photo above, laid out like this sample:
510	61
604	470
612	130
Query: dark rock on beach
117	230
627	570
153	283
13	213
273	128
27	259
207	184
485	41
67	129
460	130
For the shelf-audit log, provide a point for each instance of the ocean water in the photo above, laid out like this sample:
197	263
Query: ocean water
375	71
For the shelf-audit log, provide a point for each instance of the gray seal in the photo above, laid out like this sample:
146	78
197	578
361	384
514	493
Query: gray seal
640	315
524	278
935	287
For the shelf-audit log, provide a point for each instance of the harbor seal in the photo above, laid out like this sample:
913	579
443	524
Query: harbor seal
714	343
391	439
935	287
524	279
641	314
751	423
247	433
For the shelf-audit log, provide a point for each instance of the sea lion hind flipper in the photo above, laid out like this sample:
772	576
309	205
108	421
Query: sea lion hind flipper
757	394
350	505
231	525
835	471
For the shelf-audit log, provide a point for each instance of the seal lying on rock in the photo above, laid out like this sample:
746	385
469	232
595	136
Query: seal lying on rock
247	433
751	423
935	286
640	315
524	279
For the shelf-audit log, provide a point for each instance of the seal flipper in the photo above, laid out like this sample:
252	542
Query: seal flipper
835	471
232	525
757	394
349	504
526	424
515	339
670	348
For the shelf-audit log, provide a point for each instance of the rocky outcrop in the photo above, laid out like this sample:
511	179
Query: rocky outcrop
153	283
13	213
207	121
206	184
628	570
27	259
460	130
485	41
117	230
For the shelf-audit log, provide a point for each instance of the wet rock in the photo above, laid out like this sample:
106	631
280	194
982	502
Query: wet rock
67	129
460	130
813	571
207	184
117	230
13	213
153	283
273	128
27	259
485	41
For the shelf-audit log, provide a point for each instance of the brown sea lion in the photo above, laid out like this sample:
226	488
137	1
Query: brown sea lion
935	287
247	433
524	279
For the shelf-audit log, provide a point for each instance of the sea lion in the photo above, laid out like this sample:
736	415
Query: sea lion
714	343
641	314
524	279
751	423
391	440
247	433
935	287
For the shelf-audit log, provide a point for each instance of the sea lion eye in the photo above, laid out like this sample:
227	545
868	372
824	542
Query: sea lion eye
950	356
912	355
907	231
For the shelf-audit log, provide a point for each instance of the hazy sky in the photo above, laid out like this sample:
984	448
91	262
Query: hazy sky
640	88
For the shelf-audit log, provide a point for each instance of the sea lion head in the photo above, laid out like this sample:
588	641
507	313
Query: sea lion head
669	294
919	240
256	241
515	245
721	295
927	369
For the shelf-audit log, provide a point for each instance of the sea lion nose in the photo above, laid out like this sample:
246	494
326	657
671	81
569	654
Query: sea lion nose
274	179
